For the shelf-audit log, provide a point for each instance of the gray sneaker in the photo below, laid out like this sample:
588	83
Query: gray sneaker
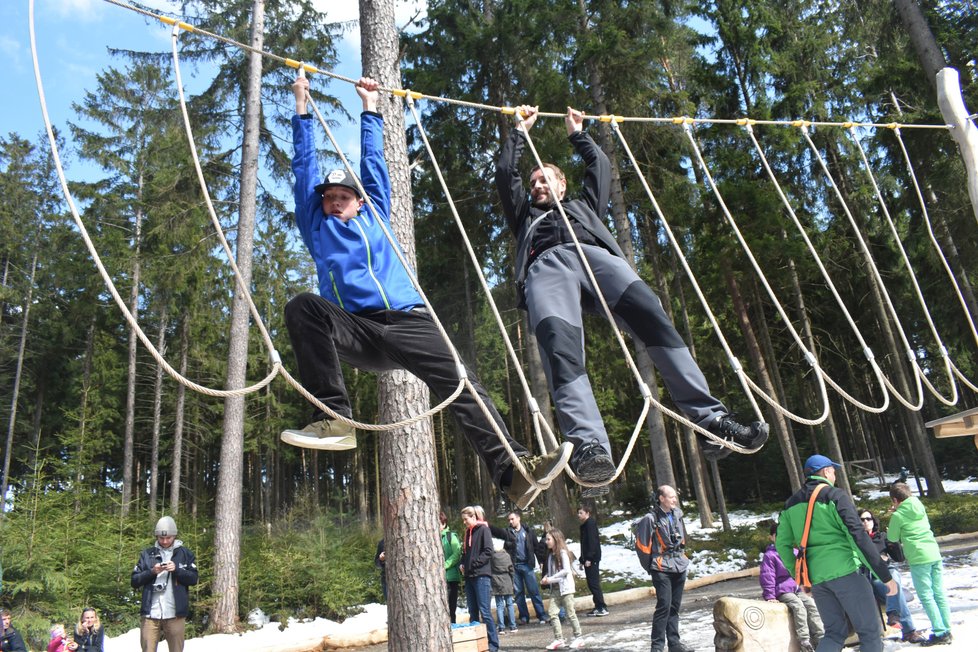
325	435
543	468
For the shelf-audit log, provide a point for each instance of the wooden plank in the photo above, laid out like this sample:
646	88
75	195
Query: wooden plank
960	417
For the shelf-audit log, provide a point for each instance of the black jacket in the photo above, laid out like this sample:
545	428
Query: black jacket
477	551
185	575
590	542
91	641
537	229
530	546
11	641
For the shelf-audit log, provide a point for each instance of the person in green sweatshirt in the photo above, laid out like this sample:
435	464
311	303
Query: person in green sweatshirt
837	546
910	526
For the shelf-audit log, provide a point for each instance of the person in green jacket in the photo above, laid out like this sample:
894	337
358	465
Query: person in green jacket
910	526
837	547
452	548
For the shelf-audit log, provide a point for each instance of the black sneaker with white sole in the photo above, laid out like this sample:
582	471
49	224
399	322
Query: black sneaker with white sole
592	463
725	427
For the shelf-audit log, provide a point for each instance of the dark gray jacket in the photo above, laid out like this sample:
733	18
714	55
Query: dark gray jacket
537	229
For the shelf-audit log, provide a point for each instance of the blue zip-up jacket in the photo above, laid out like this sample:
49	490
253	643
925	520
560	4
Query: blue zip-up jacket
357	267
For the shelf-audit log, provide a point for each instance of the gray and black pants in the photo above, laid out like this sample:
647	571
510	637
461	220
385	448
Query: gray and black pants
558	291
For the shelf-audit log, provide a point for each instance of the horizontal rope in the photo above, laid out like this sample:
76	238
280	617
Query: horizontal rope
508	110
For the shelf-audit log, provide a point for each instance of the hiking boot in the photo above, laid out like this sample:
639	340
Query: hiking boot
593	464
913	636
724	427
324	435
543	468
680	647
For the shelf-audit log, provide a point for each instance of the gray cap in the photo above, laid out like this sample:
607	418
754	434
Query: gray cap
339	178
166	527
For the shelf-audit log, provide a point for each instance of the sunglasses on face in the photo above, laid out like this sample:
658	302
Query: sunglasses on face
867	518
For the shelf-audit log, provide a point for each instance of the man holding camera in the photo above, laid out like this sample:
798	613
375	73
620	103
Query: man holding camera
660	542
163	572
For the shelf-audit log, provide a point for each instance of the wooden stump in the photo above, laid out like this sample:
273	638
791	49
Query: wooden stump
752	626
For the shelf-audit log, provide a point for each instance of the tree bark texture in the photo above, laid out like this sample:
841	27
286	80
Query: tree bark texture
409	491
227	536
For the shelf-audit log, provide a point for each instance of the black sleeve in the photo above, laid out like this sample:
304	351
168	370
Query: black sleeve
186	572
143	573
597	177
893	549
850	516
509	183
380	549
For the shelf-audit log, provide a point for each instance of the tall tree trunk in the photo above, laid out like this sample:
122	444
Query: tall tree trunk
129	433
929	54
18	371
86	391
227	525
176	473
409	493
828	427
775	417
154	456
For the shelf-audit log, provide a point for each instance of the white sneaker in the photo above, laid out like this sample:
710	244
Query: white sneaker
557	645
325	435
577	643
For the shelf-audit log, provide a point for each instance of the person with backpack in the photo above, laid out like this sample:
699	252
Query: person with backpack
660	540
821	522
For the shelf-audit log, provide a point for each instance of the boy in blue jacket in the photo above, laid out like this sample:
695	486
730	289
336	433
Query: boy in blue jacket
368	312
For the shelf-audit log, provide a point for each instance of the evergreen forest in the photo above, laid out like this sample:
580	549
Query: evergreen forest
99	440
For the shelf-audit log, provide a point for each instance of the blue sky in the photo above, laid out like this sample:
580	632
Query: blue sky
73	37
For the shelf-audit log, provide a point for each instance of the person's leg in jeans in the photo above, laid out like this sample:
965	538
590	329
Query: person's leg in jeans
472	599
519	571
898	604
511	610
663	602
483	592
